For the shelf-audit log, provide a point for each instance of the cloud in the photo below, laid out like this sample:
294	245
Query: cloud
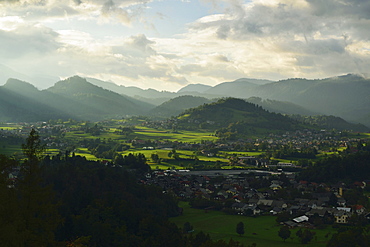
260	38
292	38
121	11
26	39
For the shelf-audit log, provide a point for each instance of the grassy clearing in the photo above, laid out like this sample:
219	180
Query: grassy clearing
9	126
86	153
51	151
183	136
262	230
230	153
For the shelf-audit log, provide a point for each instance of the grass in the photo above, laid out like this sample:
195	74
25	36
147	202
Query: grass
146	133
86	153
9	126
262	230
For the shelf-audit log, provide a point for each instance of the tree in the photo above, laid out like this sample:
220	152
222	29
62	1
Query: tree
284	232
155	157
200	239
305	236
349	237
187	227
240	228
37	211
33	149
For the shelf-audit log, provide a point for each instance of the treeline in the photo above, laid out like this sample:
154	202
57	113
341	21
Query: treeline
66	200
329	122
106	149
287	151
343	167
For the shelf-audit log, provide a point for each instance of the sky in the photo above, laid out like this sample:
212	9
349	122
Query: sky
167	44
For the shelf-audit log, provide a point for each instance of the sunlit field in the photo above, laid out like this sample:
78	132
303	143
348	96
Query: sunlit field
182	136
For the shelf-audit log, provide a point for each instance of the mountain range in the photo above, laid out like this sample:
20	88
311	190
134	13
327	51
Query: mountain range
346	97
71	98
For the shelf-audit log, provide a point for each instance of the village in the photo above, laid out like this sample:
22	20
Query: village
254	194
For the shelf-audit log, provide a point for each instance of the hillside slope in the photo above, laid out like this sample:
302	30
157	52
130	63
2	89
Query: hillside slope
21	101
72	98
175	106
235	116
94	102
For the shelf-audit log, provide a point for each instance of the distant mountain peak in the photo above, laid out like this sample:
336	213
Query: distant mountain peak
200	88
74	79
73	84
18	85
350	76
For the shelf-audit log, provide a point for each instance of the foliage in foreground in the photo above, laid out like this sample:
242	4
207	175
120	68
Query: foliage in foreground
69	201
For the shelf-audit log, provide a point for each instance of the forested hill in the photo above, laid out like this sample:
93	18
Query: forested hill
71	98
330	122
20	101
235	115
95	100
174	107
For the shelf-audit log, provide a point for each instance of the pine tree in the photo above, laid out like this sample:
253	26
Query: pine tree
36	208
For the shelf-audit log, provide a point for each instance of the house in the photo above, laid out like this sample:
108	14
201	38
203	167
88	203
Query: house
276	210
341	202
290	224
265	202
359	209
280	204
254	208
242	208
275	187
294	209
223	193
239	207
300	219
341	216
319	211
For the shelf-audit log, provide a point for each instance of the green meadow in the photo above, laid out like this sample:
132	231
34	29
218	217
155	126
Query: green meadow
146	133
262	230
150	134
9	126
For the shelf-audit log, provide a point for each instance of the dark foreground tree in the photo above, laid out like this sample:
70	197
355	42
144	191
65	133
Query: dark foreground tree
284	232
37	210
240	228
28	214
305	236
187	227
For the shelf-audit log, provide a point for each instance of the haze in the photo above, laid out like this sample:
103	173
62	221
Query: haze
168	44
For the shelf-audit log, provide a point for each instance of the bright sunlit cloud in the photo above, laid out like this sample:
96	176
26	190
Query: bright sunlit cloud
170	43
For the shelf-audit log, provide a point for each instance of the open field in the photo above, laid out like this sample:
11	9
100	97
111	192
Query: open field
146	133
110	133
9	126
85	152
262	230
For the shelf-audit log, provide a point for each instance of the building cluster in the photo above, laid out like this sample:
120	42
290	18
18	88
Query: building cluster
262	194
